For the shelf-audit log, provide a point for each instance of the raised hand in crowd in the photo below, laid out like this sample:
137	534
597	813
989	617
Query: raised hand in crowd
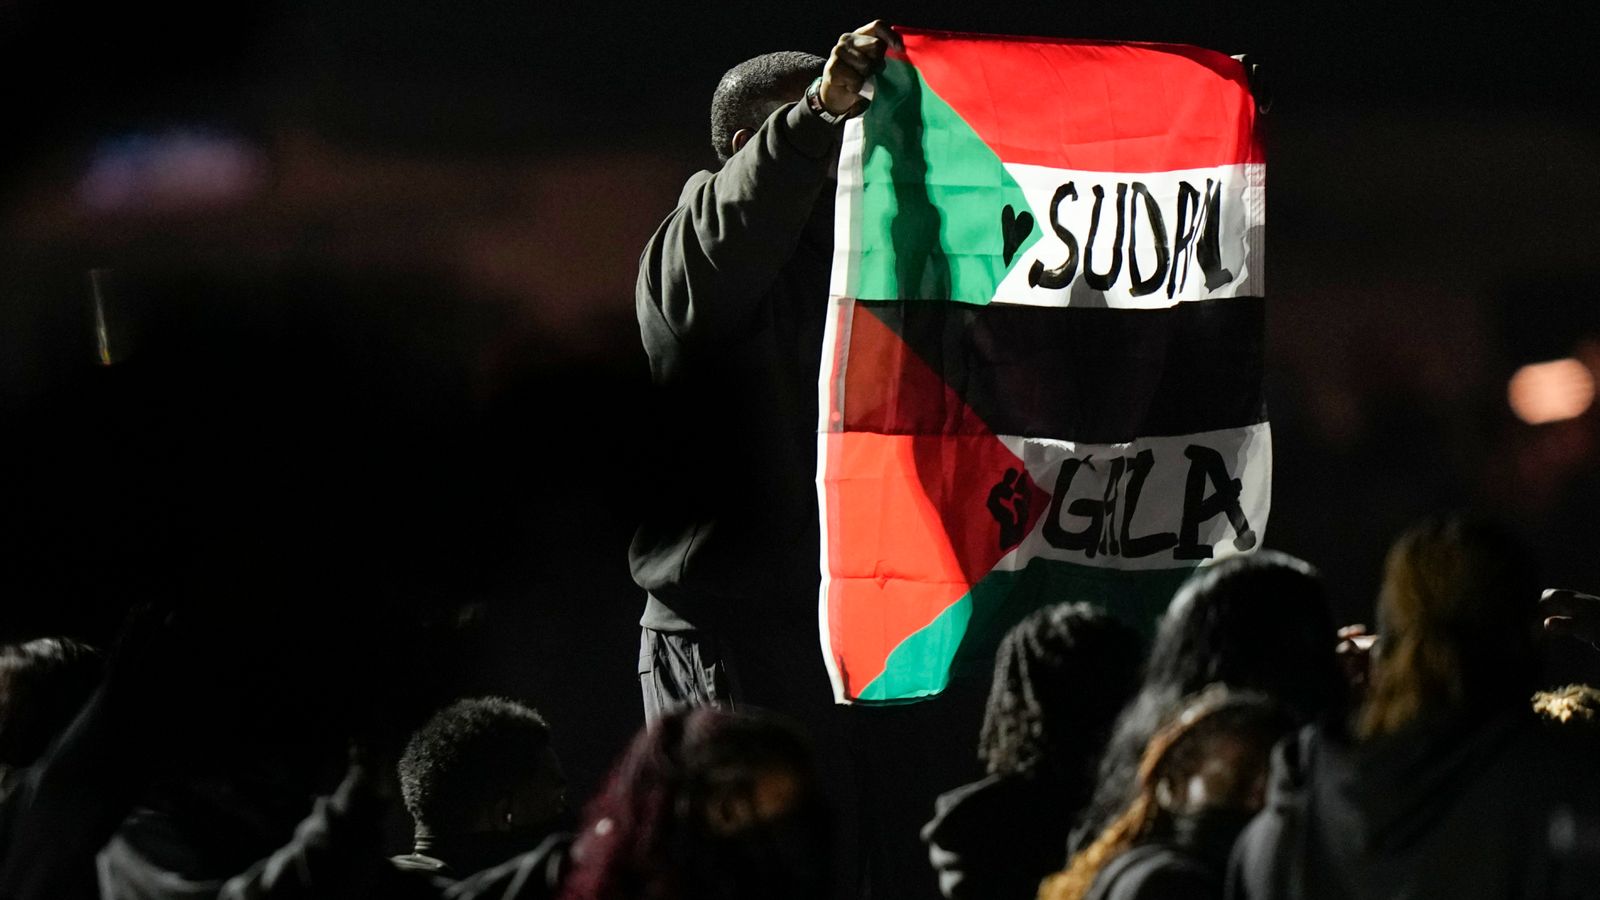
1572	614
1354	650
1566	613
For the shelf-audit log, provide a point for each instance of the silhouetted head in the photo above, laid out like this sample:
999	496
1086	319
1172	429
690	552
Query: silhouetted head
1061	675
707	804
482	782
749	92
1458	624
43	685
1258	621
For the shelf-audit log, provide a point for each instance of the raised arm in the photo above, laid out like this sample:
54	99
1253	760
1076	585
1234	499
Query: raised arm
706	268
704	272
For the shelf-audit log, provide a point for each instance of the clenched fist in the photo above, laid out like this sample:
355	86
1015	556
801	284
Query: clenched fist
857	55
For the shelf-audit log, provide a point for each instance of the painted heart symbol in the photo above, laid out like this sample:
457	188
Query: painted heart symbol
1014	229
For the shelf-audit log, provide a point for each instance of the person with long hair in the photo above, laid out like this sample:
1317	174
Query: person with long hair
1060	677
1444	783
1201	778
1260	622
706	805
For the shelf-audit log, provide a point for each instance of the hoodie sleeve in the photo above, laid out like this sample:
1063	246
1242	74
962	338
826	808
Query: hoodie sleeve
957	837
535	875
1259	867
1247	876
335	852
705	270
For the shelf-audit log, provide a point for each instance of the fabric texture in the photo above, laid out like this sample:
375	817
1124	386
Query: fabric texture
679	670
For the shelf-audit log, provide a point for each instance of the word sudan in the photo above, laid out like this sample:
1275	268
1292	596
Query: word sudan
1197	216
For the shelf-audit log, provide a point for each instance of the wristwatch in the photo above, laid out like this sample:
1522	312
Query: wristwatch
814	102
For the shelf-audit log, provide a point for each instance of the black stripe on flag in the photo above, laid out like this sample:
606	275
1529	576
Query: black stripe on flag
1090	375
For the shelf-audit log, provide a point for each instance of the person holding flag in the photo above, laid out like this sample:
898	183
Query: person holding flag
732	292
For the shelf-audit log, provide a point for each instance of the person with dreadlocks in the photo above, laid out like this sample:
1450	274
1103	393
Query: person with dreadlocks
1201	779
1060	677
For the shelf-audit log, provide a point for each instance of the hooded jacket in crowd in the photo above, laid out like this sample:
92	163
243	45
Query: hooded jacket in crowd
996	838
1449	807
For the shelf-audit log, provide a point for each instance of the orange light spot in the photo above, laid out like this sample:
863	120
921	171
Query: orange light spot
1554	391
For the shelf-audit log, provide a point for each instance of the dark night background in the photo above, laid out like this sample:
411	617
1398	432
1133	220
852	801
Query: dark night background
367	278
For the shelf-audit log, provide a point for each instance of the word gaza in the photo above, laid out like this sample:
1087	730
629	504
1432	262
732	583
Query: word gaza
1106	518
1140	220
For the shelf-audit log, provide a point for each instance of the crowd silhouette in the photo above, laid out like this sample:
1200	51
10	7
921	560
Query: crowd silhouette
1242	756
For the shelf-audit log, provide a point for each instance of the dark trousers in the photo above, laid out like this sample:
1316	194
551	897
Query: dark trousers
682	669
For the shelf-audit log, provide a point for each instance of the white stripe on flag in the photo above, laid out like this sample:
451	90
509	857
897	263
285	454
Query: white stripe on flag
847	209
1175	478
1237	192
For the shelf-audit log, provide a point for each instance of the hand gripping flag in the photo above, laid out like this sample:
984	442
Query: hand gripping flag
1041	377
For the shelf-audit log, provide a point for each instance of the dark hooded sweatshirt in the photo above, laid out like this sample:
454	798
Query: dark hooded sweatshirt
996	838
333	853
1448	807
731	299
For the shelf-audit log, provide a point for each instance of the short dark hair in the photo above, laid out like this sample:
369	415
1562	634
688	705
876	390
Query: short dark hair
466	757
747	92
43	685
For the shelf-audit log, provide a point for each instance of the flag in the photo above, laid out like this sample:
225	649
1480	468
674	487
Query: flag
1041	375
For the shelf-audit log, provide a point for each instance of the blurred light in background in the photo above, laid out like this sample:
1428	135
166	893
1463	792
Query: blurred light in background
1546	392
170	171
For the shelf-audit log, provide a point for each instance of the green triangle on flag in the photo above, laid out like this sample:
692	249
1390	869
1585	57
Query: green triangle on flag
941	218
968	632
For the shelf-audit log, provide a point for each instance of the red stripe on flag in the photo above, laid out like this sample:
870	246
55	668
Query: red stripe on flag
910	531
914	520
1094	106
